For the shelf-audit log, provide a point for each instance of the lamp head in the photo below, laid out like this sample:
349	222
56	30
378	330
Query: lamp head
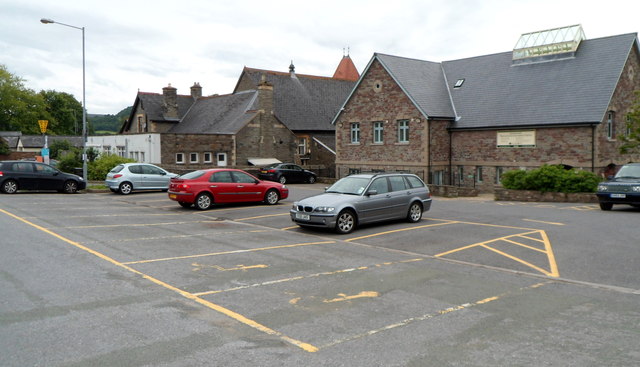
46	21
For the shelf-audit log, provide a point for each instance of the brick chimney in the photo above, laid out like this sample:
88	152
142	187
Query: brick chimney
170	104
196	91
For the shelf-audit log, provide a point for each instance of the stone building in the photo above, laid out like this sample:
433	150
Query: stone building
306	104
557	98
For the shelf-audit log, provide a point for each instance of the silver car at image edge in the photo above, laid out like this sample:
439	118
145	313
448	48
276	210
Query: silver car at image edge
364	198
128	177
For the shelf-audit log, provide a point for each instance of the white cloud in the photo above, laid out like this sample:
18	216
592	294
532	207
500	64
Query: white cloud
136	45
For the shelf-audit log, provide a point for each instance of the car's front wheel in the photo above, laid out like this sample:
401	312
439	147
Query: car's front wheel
70	187
282	180
204	201
415	213
125	188
9	187
271	197
346	222
606	206
312	179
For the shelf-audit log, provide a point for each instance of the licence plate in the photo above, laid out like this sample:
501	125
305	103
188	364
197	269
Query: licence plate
618	196
173	196
302	216
263	171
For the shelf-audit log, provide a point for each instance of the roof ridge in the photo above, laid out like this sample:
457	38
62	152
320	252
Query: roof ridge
286	73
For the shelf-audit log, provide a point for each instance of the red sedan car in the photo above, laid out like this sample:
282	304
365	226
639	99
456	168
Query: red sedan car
203	188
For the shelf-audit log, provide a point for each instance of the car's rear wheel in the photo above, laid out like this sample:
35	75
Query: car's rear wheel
70	187
9	187
204	201
415	212
125	188
606	206
312	179
346	222
282	180
184	205
271	197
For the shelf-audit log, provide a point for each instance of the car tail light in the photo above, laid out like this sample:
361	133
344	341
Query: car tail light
0	173
272	171
117	175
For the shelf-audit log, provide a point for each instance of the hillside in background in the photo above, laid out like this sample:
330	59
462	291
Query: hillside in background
108	124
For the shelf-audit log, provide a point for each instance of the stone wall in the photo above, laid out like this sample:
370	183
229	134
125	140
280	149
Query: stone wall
537	196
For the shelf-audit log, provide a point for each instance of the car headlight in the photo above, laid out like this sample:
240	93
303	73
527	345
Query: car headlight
635	188
294	206
602	187
324	209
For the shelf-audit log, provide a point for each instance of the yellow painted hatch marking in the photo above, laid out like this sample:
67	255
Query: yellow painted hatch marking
262	216
343	297
198	267
541	221
514	240
223	310
402	230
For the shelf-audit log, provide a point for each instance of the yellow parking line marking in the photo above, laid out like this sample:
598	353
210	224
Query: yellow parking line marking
288	228
517	259
525	246
277	281
428	316
401	230
137	224
343	297
229	252
262	216
123	215
553	266
223	310
541	221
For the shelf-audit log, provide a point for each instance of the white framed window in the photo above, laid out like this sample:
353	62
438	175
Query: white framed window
403	131
302	146
141	156
438	177
121	151
355	133
193	158
378	132
499	172
479	174
179	158
106	149
221	159
610	127
207	157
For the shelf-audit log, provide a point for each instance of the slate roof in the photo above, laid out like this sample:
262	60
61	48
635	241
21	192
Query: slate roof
570	91
225	114
152	104
304	102
37	141
497	93
11	137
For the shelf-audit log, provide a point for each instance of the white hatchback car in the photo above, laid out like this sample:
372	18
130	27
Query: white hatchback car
127	177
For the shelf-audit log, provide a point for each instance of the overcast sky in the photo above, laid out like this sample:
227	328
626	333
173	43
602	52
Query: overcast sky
145	45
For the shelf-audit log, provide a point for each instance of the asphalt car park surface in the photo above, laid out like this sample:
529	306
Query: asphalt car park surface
105	279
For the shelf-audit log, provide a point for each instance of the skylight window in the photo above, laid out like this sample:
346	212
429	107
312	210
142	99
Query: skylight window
556	41
459	83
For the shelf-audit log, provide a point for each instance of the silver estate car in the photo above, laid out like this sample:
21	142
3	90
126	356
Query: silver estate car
127	177
364	198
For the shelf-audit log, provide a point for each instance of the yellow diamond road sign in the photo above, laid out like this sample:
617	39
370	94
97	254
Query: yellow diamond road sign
43	125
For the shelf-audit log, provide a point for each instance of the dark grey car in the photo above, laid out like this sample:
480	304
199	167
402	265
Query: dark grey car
623	188
364	198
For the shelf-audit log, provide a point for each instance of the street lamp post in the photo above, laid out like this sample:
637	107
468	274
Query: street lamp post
84	102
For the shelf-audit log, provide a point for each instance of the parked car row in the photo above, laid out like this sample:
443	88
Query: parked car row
31	175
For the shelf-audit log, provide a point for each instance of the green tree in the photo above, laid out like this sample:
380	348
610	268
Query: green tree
99	168
59	147
4	147
631	137
20	107
66	113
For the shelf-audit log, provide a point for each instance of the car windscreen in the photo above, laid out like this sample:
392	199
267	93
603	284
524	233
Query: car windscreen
629	172
117	168
192	175
350	185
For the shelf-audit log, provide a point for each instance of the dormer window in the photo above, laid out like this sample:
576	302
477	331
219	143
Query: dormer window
459	83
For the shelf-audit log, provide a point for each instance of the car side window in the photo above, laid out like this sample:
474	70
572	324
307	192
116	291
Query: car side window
23	167
296	168
241	177
380	185
135	169
397	183
151	170
41	168
414	182
224	176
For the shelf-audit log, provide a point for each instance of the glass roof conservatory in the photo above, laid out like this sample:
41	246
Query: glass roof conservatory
549	44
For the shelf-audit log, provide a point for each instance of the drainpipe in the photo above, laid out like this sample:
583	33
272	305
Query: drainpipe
450	158
429	151
593	148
